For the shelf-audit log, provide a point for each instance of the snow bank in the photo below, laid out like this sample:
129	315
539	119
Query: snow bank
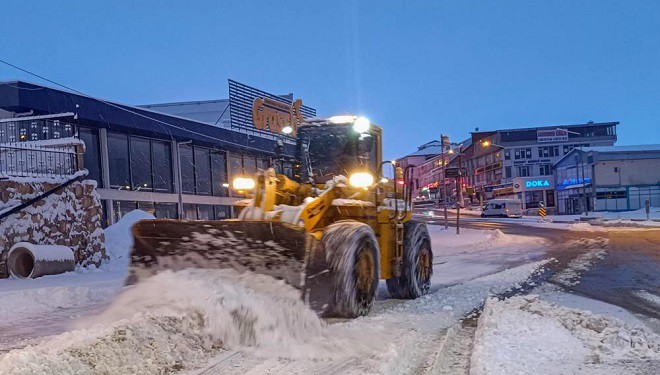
177	320
119	239
524	335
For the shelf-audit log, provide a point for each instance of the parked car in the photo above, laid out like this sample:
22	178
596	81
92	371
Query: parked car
503	208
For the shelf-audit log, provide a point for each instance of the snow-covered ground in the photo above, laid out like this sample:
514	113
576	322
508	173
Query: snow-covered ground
218	317
527	335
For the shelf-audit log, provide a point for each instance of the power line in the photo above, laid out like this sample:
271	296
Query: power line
126	109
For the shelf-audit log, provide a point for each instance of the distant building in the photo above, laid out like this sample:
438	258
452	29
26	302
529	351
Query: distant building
500	158
616	178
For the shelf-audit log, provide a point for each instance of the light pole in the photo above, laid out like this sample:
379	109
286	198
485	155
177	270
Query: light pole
486	144
584	179
459	187
444	177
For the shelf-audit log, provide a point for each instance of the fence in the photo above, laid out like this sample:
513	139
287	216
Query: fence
35	161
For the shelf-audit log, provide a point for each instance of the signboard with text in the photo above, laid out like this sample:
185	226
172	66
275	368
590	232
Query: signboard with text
533	183
262	111
553	135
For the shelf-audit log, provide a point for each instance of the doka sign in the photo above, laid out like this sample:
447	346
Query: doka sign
532	183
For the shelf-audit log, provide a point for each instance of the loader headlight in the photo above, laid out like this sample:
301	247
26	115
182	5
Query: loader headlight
361	180
243	183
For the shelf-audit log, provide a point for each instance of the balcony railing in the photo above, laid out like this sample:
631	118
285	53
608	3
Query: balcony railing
60	161
18	131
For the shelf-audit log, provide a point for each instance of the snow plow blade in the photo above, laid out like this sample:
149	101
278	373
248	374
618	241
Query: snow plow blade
277	249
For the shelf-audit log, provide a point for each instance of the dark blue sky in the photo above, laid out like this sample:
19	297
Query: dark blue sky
417	68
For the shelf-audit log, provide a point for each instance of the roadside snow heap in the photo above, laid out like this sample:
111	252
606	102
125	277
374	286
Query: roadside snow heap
70	217
178	320
524	335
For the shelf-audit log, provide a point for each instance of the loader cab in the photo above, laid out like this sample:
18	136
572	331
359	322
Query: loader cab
326	149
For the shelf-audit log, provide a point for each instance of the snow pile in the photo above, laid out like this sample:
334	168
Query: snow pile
176	320
524	335
119	239
497	237
576	267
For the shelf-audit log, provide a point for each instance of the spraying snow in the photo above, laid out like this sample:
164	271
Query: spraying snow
176	320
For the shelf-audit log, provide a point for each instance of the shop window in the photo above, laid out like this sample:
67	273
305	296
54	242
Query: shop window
202	171
140	152
118	161
189	211
205	212
250	164
121	208
187	169
219	173
222	212
161	153
147	207
165	210
549	198
92	156
235	165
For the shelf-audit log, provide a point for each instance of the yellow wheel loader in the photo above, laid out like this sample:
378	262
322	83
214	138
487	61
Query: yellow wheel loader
332	229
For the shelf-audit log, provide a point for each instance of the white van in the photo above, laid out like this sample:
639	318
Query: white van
503	208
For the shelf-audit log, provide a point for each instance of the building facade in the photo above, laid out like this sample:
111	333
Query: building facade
617	178
172	160
528	154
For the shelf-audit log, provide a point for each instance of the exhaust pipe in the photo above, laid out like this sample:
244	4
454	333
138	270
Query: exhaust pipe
26	260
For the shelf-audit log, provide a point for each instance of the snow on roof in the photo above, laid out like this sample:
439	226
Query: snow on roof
630	148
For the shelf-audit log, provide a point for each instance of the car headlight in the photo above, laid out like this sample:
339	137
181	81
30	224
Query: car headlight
361	180
243	183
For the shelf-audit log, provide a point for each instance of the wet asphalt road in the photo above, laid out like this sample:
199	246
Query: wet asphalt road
629	271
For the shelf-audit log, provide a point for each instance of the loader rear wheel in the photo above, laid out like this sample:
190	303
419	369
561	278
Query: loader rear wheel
354	260
417	268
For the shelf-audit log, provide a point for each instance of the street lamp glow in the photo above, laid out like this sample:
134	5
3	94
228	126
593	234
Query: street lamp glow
486	143
361	124
288	129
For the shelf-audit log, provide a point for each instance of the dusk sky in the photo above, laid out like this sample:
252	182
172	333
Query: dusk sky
416	68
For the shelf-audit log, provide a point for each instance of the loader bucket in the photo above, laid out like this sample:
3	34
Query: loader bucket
280	250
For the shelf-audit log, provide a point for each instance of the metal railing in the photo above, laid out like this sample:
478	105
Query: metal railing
36	161
34	130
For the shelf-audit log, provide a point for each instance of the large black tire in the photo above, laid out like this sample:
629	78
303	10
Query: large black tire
417	268
354	259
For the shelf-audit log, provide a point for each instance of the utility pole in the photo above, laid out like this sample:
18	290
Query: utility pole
459	191
444	177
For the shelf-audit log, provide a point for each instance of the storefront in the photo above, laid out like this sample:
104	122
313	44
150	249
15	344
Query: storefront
534	190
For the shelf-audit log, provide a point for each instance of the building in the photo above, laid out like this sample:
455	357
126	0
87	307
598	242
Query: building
507	162
173	159
615	178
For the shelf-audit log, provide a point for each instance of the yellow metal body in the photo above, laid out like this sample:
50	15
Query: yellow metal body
323	205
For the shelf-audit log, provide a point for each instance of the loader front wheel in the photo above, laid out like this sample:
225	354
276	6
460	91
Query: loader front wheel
417	268
354	261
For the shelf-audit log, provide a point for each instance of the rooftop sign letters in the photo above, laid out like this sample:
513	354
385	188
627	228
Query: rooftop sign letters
554	135
273	116
263	112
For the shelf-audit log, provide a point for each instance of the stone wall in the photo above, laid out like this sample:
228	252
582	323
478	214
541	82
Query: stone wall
70	217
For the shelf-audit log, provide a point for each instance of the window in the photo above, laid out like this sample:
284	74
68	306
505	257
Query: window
121	208
548	151
524	171
162	166
165	210
507	155
187	169
147	207
550	198
250	164
222	212
219	173
202	171
118	161
140	152
204	212
545	170
189	211
507	172
92	156
523	153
